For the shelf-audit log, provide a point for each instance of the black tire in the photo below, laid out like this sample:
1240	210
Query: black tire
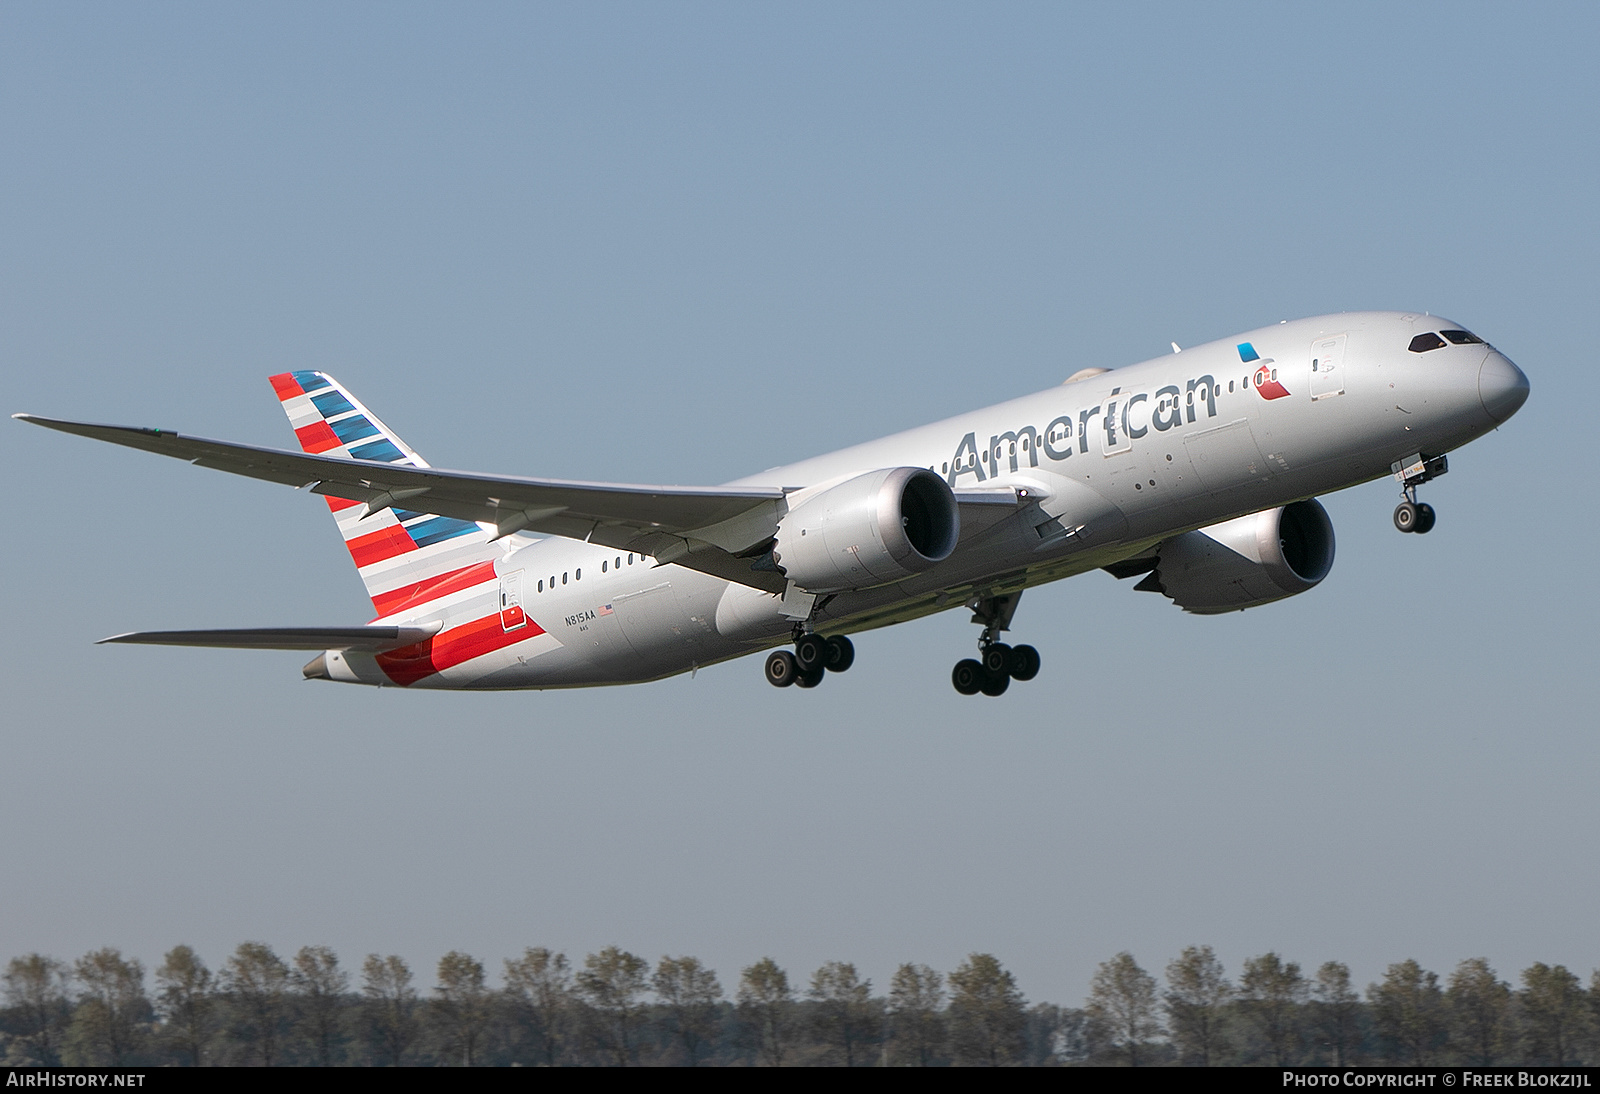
995	684
1425	518
841	653
967	676
811	653
1024	663
1406	517
781	669
997	660
809	679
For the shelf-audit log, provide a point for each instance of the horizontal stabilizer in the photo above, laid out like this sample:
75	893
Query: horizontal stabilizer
370	639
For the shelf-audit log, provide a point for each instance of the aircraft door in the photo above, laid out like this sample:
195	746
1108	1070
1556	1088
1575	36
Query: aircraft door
1327	367
512	616
1114	435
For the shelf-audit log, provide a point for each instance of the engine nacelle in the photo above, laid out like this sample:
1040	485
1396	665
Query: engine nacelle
1247	561
870	530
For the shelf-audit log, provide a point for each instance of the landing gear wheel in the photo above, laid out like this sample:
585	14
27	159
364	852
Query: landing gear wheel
808	679
1425	518
811	653
841	654
967	676
997	661
995	684
1023	664
1407	516
781	669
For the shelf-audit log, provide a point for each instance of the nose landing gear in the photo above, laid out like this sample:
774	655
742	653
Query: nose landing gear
813	658
998	664
1411	515
1414	516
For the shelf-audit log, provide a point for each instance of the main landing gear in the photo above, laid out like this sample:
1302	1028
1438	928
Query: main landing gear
997	664
1411	515
813	658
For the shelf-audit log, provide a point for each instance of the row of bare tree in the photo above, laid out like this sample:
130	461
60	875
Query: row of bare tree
1278	1015
615	1009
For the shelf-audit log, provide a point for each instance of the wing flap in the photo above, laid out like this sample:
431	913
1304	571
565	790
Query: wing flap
982	509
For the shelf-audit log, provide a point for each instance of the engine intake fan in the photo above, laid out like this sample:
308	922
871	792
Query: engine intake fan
867	531
1245	562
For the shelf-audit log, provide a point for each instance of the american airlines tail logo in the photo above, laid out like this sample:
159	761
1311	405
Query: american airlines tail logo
1266	377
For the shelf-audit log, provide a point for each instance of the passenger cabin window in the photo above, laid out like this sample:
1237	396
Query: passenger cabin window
603	564
541	584
563	579
1422	343
577	575
1462	337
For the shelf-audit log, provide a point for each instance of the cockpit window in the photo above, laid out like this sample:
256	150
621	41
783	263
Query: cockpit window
1462	337
1422	343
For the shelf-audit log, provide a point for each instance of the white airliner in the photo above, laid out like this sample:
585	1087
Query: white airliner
1198	470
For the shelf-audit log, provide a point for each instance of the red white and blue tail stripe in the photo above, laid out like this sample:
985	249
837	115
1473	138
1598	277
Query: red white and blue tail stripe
406	558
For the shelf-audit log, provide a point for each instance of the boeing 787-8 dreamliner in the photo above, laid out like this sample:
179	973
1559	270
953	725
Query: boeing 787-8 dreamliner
1197	471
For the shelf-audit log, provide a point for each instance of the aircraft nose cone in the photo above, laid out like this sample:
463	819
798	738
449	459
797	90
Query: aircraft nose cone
1502	386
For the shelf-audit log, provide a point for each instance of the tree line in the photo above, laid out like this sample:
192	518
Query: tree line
615	1009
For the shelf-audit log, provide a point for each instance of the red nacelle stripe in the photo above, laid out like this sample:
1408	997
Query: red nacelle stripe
317	437
284	385
377	546
449	648
432	588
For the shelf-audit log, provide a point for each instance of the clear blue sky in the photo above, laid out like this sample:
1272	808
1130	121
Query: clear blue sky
685	243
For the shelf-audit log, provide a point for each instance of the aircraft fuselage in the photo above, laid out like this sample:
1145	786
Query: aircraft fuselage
1100	469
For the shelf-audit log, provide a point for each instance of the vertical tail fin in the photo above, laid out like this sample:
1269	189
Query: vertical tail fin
405	557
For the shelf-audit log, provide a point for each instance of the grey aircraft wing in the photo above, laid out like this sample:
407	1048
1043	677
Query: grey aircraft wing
717	531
